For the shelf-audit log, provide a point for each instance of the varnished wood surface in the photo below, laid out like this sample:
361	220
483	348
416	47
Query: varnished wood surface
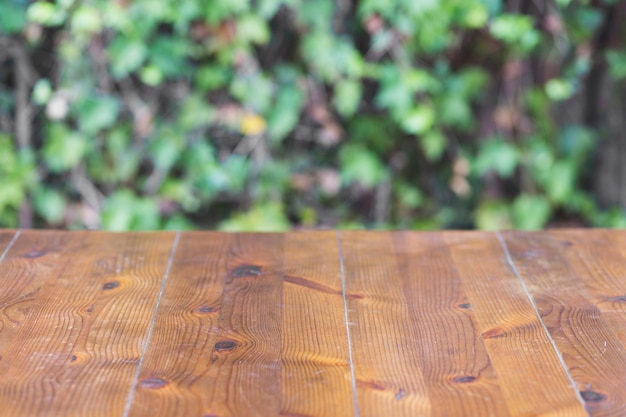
306	324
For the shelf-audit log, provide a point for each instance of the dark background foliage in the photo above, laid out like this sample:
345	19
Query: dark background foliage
270	114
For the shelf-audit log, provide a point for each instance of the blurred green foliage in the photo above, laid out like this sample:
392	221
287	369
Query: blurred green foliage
269	114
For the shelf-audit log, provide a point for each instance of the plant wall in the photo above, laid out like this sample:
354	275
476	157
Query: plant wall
271	114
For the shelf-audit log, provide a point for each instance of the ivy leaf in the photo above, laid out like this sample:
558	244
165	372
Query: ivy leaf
265	217
45	13
253	29
359	164
347	97
530	212
97	113
493	215
12	17
433	144
419	120
63	148
285	113
126	56
499	156
560	183
50	204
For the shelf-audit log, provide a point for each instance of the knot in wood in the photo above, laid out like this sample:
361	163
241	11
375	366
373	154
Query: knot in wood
592	396
110	285
246	271
153	383
464	379
225	345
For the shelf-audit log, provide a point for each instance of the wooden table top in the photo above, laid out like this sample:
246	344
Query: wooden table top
326	323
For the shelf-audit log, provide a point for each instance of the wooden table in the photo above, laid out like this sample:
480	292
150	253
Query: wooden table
313	324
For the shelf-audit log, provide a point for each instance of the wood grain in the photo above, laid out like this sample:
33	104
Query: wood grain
460	378
221	312
245	376
530	371
173	380
599	258
78	349
593	353
6	236
389	378
27	265
307	324
316	378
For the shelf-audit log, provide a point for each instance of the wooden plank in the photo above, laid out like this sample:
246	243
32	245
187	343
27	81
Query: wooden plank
460	377
173	376
530	371
6	236
599	257
593	353
33	258
316	377
226	361
389	380
78	350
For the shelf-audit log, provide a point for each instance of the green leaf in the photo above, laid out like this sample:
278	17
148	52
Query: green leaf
558	89
211	77
617	64
86	19
264	217
97	113
50	204
455	111
251	28
63	149
359	164
515	29
179	222
419	120
433	144
195	113
126	56
124	211
165	148
530	212
409	196
499	156
42	91
493	215
45	13
151	75
347	97
285	112
476	16
560	184
12	17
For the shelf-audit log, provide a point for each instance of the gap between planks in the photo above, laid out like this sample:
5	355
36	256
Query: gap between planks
512	265
345	313
166	275
11	243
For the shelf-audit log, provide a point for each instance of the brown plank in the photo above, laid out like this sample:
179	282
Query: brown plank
6	236
460	378
389	380
215	346
593	353
316	377
579	281
28	263
599	257
531	374
173	376
77	351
